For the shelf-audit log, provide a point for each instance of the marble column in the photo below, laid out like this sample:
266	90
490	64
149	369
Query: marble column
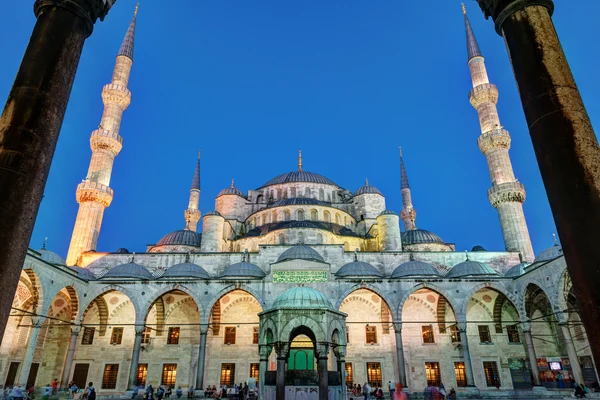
340	354
531	354
70	354
135	356
572	353
282	350
264	351
36	324
323	355
400	353
462	327
201	354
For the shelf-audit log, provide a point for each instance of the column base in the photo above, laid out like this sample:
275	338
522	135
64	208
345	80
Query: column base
539	389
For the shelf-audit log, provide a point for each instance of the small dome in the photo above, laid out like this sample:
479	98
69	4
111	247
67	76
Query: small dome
420	236
516	271
300	201
367	190
299	176
478	248
84	273
182	237
302	297
213	212
358	268
471	268
129	270
186	270
388	212
231	190
414	268
300	252
51	257
243	270
122	250
550	253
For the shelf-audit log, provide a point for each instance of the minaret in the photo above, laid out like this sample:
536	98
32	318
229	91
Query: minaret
94	193
408	213
192	214
506	194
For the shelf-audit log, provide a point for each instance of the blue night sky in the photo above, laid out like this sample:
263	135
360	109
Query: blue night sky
251	82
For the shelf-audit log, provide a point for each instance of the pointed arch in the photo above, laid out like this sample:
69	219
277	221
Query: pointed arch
204	318
38	292
102	308
385	296
434	288
495	286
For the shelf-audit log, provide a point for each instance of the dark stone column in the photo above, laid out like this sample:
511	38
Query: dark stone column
201	355
30	124
70	355
282	350
531	354
400	354
323	355
464	342
564	141
135	356
264	351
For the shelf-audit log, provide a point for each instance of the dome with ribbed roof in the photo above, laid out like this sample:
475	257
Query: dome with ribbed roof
388	212
213	213
414	268
516	271
300	201
183	237
243	270
549	254
420	236
302	297
299	176
51	257
129	270
231	190
358	268
478	248
471	268
300	252
84	273
122	250
367	190
186	270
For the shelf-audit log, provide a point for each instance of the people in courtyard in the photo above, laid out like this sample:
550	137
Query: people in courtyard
90	392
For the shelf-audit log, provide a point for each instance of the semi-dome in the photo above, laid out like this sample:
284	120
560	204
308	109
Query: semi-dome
471	268
420	236
550	253
300	201
186	270
129	270
302	297
414	268
367	190
243	270
299	176
300	252
51	257
358	268
516	271
84	273
388	212
183	237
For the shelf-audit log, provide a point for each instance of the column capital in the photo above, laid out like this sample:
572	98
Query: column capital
139	330
264	351
501	10
75	329
398	327
462	326
322	349
37	321
526	326
282	349
340	352
88	10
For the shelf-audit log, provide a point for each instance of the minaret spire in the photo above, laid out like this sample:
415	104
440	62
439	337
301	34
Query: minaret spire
506	194
408	213
94	193
299	160
192	214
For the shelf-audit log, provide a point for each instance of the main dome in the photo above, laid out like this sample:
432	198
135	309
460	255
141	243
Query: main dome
302	297
299	176
183	237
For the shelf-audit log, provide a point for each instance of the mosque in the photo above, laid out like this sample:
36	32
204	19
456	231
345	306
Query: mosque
300	285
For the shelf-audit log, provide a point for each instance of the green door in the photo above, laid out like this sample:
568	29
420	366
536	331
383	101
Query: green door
301	360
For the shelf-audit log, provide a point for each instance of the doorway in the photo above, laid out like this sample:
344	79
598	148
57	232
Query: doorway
80	375
32	374
12	374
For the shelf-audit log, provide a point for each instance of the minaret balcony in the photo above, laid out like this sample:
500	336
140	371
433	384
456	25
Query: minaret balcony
94	191
116	94
484	93
493	140
506	192
103	139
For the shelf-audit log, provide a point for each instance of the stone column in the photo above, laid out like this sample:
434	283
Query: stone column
135	356
30	124
400	353
201	353
323	355
282	350
340	354
36	324
575	365
462	327
563	138
264	351
531	354
70	354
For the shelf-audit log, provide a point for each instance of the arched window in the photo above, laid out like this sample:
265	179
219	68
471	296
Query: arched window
321	194
279	194
285	193
281	239
337	219
345	221
307	192
327	216
286	215
313	215
293	190
319	238
334	196
300	216
300	238
329	197
259	198
264	219
272	195
274	216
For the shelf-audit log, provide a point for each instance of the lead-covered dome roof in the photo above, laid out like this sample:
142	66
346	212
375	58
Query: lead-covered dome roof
414	268
299	176
302	297
516	271
231	190
243	269
549	254
420	236
184	237
129	270
51	257
358	268
300	252
84	273
186	270
471	268
367	190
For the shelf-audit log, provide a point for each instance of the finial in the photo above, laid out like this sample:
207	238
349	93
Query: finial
411	257
299	160
45	242
467	255
137	6
232	183
356	254
555	241
199	151
521	257
464	8
133	257
246	255
400	148
187	256
366	181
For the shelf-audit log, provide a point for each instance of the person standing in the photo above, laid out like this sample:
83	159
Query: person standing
90	392
392	389
367	391
179	392
54	387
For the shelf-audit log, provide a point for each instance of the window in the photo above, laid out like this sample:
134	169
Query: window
490	368
293	190
349	375
374	374
117	336
254	371
338	219
264	219
371	334
321	194
88	336
347	334
513	334
255	335
428	334
300	216
286	215
169	375
461	375
109	378
327	216
484	334
227	374
146	335
274	216
230	335
307	192
313	215
173	337
140	376
432	372
454	334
